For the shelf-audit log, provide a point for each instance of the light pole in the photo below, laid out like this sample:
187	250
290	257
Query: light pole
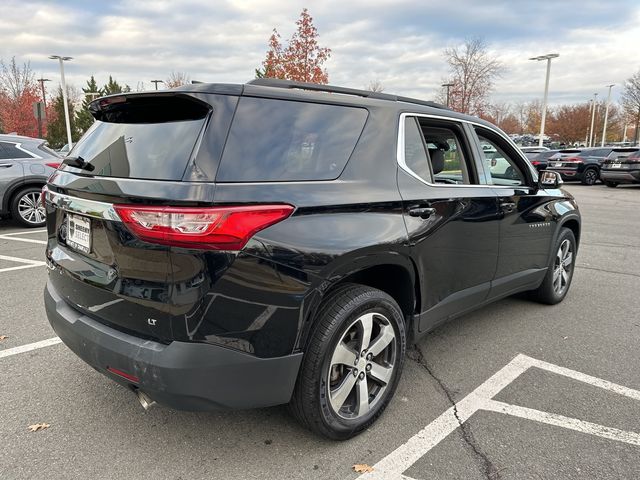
606	116
64	95
156	82
41	82
548	58
593	117
448	86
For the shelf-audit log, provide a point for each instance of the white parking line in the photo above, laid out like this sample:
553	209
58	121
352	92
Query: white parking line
393	465
27	240
30	346
25	232
29	263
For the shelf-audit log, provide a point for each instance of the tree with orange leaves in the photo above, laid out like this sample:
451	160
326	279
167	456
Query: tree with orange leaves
18	92
301	60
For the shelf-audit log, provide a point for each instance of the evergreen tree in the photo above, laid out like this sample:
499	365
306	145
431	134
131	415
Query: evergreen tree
56	127
112	87
84	119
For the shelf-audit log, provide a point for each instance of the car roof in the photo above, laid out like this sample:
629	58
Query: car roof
290	90
20	139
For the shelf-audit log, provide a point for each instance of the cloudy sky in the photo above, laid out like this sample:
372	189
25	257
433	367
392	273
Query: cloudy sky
399	43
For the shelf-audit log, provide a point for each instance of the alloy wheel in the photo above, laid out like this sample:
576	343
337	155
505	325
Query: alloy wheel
362	366
562	267
30	209
590	177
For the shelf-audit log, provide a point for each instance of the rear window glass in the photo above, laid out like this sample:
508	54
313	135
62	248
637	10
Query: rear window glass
142	138
277	140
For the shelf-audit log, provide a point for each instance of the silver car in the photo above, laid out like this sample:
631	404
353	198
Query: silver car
25	165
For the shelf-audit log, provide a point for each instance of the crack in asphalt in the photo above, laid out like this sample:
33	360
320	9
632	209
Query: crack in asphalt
490	471
608	271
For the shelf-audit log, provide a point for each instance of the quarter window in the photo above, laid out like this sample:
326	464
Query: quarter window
10	151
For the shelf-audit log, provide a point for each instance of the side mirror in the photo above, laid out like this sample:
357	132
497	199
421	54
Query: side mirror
549	179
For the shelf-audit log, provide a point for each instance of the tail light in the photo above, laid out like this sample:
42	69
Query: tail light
535	162
210	228
572	159
53	164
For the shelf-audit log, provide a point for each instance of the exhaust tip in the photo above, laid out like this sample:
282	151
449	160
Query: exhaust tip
145	400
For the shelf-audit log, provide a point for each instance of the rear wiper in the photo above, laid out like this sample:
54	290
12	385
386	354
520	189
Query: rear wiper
78	162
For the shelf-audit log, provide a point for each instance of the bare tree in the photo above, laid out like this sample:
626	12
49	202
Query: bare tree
15	80
375	86
473	71
631	100
177	79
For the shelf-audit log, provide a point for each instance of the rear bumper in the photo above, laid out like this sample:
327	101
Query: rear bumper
632	176
181	375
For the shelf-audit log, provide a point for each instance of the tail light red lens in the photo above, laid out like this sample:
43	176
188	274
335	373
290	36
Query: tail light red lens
535	162
572	159
209	228
53	164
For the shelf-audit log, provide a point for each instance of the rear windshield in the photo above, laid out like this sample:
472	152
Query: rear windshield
149	140
278	140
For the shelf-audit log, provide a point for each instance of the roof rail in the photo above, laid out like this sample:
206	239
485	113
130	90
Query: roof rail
278	83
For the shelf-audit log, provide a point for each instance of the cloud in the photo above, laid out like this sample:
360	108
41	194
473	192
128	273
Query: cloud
398	42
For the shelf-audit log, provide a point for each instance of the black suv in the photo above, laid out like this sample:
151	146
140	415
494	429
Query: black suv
621	166
240	246
579	164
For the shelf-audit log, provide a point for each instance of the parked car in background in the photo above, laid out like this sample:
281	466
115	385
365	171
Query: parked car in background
539	158
205	261
622	166
25	165
581	164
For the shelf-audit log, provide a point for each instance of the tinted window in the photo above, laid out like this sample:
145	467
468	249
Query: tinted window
139	150
415	154
9	150
276	140
446	152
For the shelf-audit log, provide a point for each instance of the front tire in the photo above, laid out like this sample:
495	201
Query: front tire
352	364
557	281
27	209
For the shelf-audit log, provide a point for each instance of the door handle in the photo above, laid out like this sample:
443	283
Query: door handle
6	165
422	212
508	207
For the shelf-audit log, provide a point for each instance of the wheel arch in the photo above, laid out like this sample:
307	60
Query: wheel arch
393	273
16	187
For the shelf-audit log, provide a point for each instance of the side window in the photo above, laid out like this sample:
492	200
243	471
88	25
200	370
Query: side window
415	153
11	151
4	153
503	168
447	153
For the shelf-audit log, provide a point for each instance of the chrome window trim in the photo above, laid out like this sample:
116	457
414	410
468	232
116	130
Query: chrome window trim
82	206
402	164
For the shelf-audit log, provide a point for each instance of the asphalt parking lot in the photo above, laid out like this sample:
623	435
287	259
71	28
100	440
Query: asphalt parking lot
516	390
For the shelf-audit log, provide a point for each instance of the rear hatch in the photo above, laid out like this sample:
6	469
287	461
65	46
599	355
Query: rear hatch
623	159
134	157
568	158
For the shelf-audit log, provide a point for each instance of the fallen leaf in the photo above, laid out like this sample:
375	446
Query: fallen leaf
362	468
3	337
38	426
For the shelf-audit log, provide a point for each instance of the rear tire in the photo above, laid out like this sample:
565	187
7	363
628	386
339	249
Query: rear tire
338	396
611	184
557	281
27	209
589	176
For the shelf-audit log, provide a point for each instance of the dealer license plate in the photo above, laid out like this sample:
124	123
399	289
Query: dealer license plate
79	233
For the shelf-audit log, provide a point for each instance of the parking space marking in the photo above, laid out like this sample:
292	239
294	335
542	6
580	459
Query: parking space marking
27	240
394	464
26	263
24	232
29	347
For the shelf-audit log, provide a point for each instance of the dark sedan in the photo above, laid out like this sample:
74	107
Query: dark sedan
540	158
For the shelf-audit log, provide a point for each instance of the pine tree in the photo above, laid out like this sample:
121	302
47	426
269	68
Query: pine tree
84	119
56	127
112	87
